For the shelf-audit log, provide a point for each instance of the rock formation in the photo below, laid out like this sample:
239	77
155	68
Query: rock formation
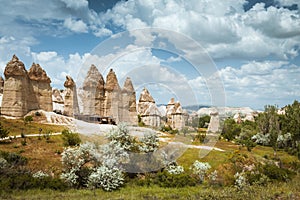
176	117
93	93
128	106
58	101
148	110
18	94
1	84
41	87
71	104
112	96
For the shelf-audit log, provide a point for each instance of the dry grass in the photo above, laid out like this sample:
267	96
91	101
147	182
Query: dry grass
17	126
42	154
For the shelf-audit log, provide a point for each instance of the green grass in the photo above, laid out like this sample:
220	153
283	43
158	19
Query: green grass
17	126
288	190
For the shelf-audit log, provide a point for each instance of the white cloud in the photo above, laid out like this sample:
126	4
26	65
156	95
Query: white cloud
75	4
77	26
222	27
261	83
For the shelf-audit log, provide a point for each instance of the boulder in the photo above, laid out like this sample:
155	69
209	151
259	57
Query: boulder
41	87
71	104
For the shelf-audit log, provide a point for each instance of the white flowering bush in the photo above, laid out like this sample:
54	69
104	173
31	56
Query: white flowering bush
240	181
121	135
3	163
263	139
174	169
106	178
40	175
149	142
113	154
213	176
200	169
74	160
284	139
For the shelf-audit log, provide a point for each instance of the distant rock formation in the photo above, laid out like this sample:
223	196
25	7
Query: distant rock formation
148	110
93	93
18	94
1	84
58	100
41	87
71	104
112	96
128	106
176	117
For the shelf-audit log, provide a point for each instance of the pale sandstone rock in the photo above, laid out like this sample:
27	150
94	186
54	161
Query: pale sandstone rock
41	87
71	104
1	84
148	110
112	96
93	93
18	94
128	111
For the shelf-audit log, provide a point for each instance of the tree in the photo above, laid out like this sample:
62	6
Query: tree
204	121
3	132
230	129
291	122
70	139
268	123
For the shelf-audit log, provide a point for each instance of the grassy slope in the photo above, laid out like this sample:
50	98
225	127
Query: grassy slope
17	126
43	155
289	190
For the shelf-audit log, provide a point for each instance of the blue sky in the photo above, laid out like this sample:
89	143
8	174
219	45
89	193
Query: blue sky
251	47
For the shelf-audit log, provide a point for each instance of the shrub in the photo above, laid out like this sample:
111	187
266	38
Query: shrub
13	159
149	142
240	180
28	119
165	179
175	169
3	132
200	169
70	139
275	173
106	178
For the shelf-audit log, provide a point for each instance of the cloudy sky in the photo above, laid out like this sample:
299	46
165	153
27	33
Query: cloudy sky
236	52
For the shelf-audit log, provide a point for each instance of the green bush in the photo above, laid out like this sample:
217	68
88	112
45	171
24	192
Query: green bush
3	132
275	173
13	159
165	179
28	119
70	139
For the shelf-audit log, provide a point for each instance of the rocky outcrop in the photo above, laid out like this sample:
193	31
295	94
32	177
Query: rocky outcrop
1	84
176	117
93	93
112	96
128	104
58	100
18	93
71	104
41	87
148	110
